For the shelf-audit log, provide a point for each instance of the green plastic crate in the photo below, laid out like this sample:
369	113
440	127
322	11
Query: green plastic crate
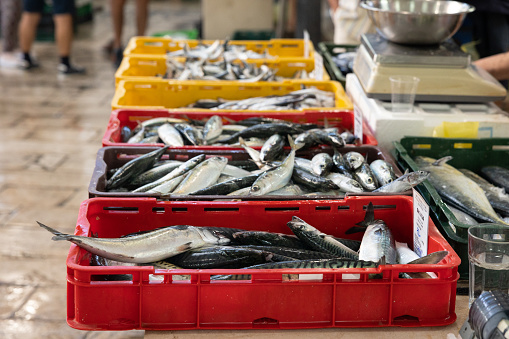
191	34
328	50
471	154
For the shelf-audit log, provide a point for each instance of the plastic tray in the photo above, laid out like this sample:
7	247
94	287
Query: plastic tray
131	117
153	67
290	49
114	157
471	154
328	50
265	301
172	94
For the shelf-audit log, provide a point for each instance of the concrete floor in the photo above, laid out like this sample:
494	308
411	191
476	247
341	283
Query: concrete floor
50	130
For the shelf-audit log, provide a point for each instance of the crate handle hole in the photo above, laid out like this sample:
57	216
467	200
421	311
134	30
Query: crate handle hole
262	322
281	209
179	209
406	319
121	209
158	209
111	277
223	209
322	208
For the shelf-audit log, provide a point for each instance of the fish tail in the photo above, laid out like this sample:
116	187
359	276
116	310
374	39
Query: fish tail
294	146
58	235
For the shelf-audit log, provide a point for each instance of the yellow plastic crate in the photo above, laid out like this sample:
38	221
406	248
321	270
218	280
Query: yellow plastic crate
290	50
172	94
152	67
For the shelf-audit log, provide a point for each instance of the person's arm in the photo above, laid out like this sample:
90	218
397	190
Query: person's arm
333	4
497	65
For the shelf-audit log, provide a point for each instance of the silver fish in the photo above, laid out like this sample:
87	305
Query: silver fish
404	183
203	175
462	217
272	149
345	183
254	154
457	189
212	129
170	136
167	186
321	164
365	177
146	247
276	177
353	160
383	172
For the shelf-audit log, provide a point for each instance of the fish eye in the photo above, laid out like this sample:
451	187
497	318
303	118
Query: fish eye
370	181
255	188
390	180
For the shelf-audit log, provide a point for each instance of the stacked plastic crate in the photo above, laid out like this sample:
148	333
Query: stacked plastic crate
141	297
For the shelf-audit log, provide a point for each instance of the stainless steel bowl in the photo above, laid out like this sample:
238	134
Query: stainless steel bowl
416	22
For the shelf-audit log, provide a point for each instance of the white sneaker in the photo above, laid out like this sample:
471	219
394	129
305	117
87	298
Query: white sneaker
11	60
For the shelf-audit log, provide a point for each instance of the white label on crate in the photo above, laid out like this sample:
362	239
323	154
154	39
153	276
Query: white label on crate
310	276
306	44
318	67
421	218
357	123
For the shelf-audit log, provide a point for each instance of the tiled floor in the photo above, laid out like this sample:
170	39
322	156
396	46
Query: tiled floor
50	130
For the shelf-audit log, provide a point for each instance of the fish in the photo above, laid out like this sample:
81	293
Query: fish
364	176
317	240
457	189
203	175
321	164
296	253
404	182
277	177
170	135
345	183
312	181
383	172
272	149
125	134
227	187
377	243
134	167
462	217
146	247
154	173
497	196
192	135
290	189
212	129
264	130
353	160
167	186
254	154
497	175
268	239
232	257
340	164
176	172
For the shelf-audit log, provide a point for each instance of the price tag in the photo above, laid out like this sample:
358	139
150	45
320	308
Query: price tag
421	218
357	123
306	44
318	67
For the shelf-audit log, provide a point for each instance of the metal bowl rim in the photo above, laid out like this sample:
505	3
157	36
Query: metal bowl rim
469	8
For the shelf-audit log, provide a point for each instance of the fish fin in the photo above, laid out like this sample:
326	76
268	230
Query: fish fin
442	161
406	171
369	217
293	145
231	121
355	229
58	235
184	247
430	259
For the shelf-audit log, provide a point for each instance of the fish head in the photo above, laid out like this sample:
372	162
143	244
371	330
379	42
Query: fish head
415	178
353	159
367	181
354	186
297	224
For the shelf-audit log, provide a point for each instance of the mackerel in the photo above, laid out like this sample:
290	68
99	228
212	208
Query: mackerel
170	135
404	182
203	175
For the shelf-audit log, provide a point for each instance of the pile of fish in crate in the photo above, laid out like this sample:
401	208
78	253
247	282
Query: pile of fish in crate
200	213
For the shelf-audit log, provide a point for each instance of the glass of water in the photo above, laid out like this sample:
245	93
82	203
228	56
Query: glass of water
488	256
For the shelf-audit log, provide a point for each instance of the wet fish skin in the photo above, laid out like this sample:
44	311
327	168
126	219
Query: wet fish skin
180	170
462	217
318	263
320	241
321	164
191	133
345	184
134	167
272	149
170	135
312	181
457	189
254	154
340	164
262	238
167	186
295	253
232	257
264	130
364	176
227	187
203	175
383	172
154	173
125	133
404	183
212	129
378	243
497	175
353	160
147	247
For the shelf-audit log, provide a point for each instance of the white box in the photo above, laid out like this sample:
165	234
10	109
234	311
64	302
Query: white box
388	126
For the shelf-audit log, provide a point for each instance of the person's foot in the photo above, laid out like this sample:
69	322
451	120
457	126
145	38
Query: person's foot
10	60
118	55
27	65
71	69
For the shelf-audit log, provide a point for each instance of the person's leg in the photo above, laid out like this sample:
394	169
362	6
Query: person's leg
27	30
141	16
117	17
64	34
11	13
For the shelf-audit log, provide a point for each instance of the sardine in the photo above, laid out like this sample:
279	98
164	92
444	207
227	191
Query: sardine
353	160
405	182
203	175
321	164
264	130
212	129
154	173
228	186
272	149
340	164
147	247
170	135
364	176
312	181
344	183
383	172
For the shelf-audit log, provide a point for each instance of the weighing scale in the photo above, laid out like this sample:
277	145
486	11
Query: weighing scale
446	73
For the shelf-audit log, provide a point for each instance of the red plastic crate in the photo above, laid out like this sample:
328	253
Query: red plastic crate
265	301
114	157
130	118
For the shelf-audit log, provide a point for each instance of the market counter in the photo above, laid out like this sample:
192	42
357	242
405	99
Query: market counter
350	333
